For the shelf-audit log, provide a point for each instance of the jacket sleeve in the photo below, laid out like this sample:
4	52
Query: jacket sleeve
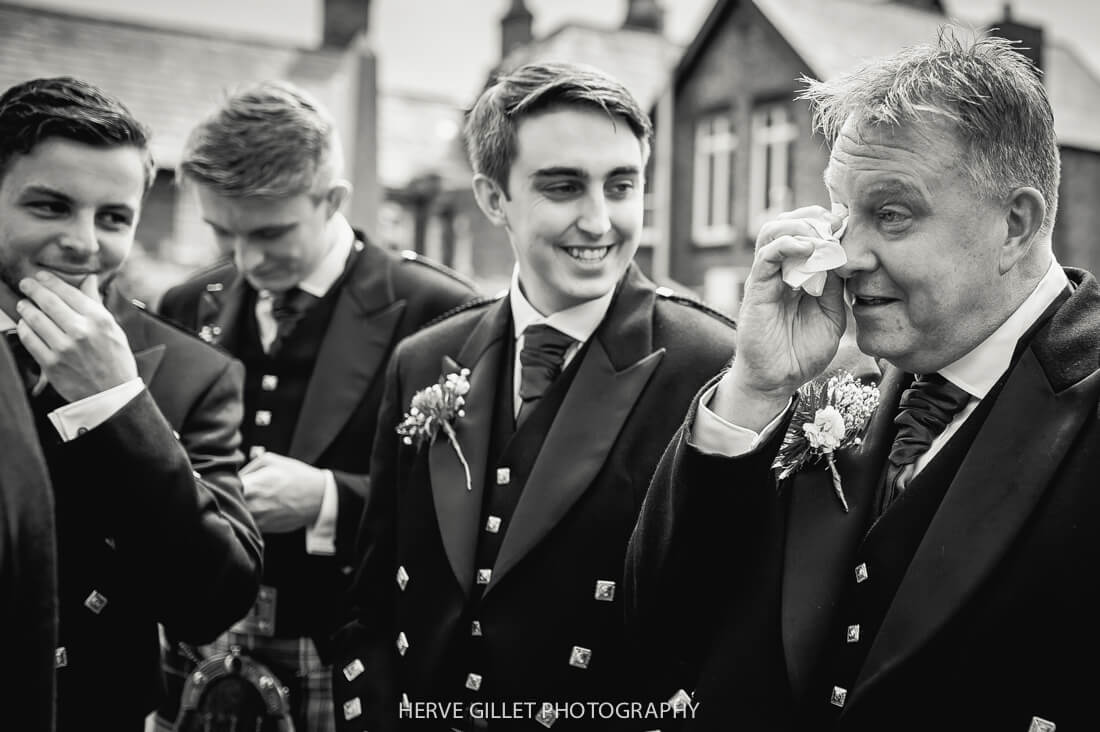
701	512
176	508
364	668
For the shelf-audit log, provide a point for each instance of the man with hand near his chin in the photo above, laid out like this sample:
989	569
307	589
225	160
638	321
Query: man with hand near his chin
137	420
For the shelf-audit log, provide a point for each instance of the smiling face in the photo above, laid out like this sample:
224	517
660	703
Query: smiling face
69	208
575	204
923	246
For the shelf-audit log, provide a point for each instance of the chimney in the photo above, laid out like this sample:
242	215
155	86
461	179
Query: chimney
1029	36
645	15
515	28
932	6
344	21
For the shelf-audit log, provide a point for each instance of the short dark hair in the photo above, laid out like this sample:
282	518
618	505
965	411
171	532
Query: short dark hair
71	109
491	125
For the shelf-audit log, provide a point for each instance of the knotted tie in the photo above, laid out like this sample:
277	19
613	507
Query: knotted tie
288	308
29	369
925	410
540	360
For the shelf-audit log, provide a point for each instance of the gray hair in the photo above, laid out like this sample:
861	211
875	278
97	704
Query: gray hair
991	95
269	140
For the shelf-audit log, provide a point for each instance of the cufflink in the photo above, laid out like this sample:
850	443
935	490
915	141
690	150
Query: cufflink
214	286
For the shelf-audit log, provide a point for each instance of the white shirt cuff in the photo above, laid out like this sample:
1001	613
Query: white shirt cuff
76	418
321	537
712	435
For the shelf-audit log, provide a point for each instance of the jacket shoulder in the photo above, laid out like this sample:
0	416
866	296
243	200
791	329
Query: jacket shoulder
420	267
471	306
211	278
683	305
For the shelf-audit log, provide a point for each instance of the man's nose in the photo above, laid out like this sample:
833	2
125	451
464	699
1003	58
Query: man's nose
857	248
246	257
80	235
594	219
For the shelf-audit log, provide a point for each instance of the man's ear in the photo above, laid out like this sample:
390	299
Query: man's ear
491	198
1024	210
337	193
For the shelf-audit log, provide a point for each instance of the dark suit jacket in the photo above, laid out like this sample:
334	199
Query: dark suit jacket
570	527
996	605
150	519
385	298
28	563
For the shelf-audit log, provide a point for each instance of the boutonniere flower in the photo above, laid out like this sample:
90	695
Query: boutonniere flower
830	415
435	409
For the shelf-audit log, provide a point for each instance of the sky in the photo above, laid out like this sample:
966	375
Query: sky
444	48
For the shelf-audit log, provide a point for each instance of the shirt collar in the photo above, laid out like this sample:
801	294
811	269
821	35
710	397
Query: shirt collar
578	322
328	270
979	370
6	323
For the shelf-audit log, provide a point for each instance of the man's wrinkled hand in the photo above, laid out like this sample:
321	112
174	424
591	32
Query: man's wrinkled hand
785	337
79	345
283	494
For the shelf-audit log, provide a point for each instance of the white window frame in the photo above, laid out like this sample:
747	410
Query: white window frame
771	191
712	205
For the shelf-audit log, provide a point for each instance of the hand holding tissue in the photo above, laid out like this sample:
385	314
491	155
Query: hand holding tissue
809	273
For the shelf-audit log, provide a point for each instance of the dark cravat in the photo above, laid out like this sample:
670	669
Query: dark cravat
540	361
29	369
925	410
288	308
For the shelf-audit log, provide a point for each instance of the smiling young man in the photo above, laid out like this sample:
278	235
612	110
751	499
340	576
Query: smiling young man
952	594
313	309
487	593
136	419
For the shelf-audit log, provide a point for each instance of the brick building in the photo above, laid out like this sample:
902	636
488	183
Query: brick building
741	147
170	79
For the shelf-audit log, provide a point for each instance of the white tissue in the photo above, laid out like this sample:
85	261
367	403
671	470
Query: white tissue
809	273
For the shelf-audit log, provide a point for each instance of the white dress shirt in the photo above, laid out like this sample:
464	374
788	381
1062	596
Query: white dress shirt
321	536
578	322
976	373
75	418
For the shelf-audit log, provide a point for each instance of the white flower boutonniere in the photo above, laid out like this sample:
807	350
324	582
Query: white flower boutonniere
831	414
434	409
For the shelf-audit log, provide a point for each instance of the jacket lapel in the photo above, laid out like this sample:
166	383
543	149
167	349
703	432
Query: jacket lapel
617	365
1054	388
457	509
822	538
147	354
352	353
